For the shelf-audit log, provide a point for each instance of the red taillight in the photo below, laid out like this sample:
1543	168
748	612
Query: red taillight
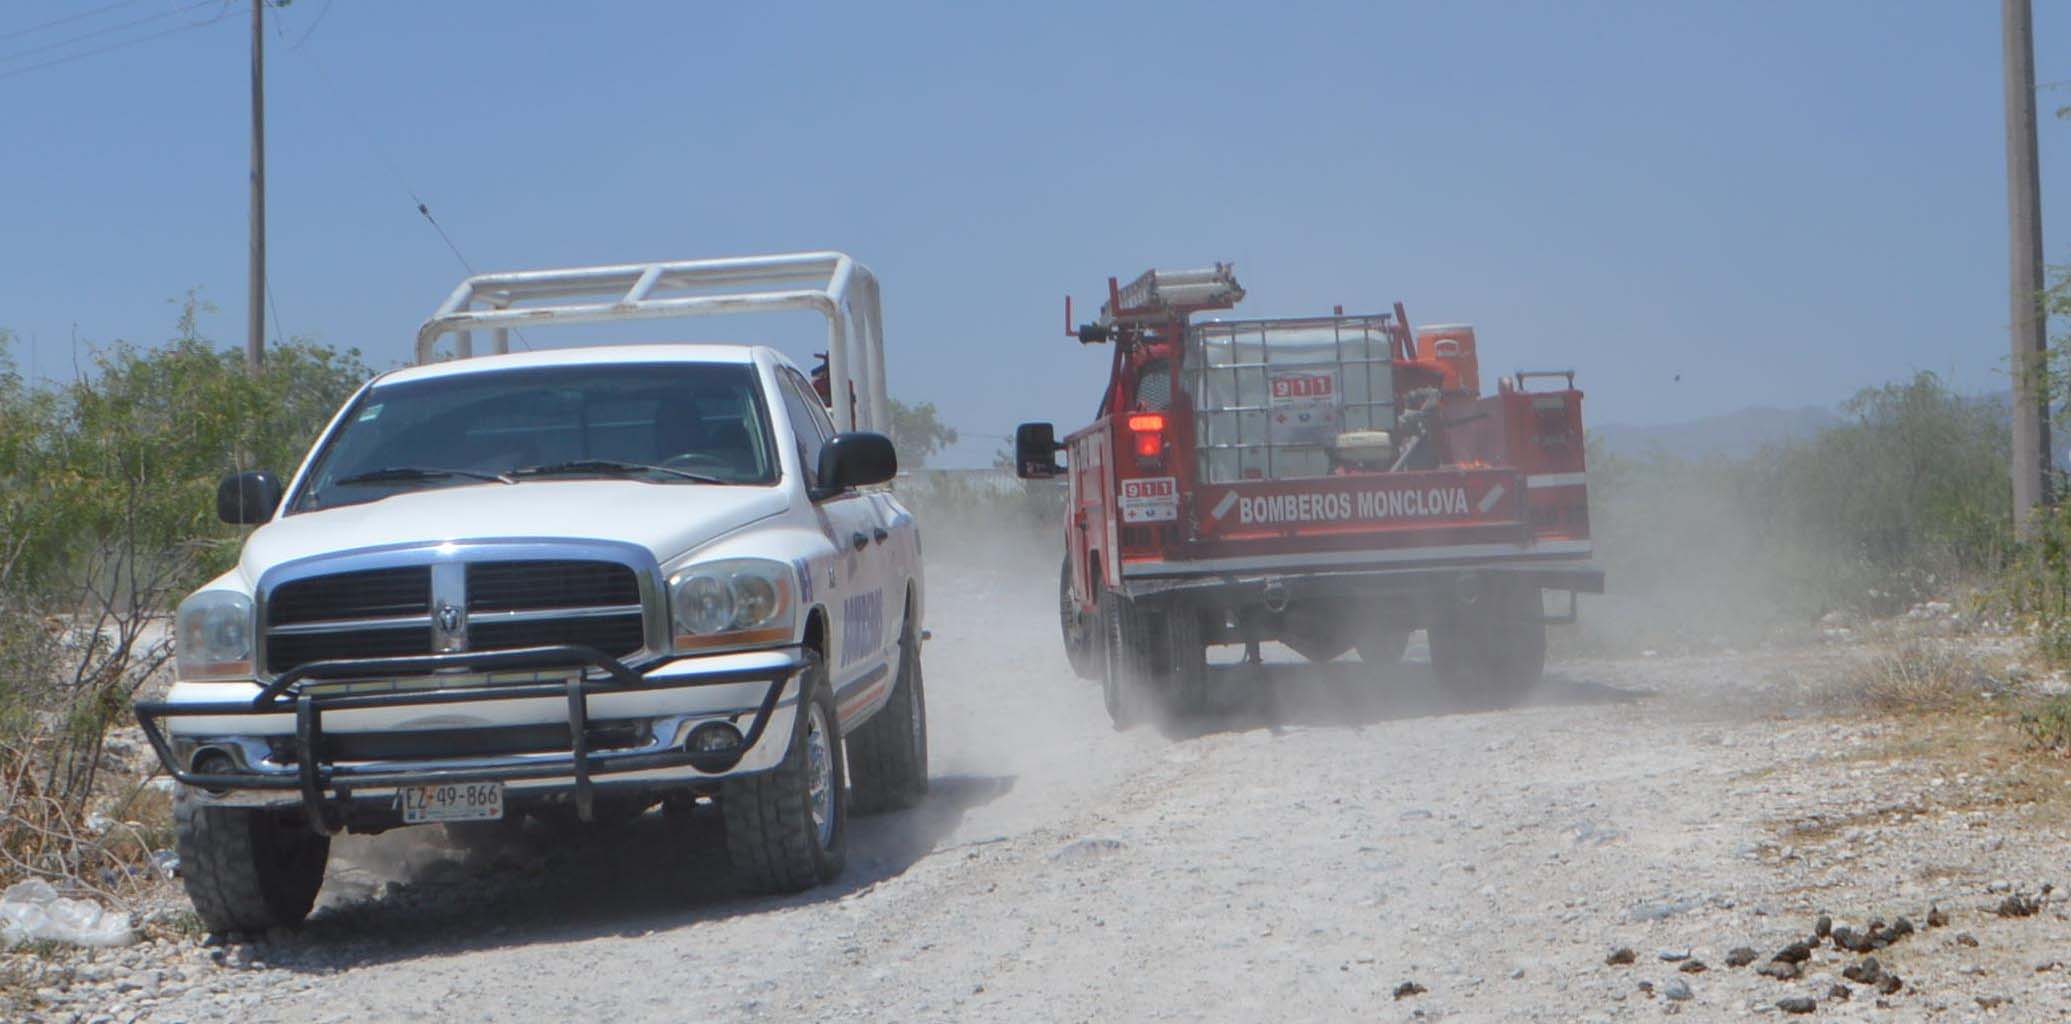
1149	428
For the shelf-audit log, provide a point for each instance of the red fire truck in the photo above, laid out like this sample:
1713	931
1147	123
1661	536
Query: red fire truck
1331	483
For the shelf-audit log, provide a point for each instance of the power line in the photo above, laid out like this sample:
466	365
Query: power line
82	55
67	19
104	30
311	30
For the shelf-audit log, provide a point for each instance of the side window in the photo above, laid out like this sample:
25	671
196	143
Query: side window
812	401
799	405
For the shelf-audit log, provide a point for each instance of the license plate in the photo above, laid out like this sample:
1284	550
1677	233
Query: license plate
454	801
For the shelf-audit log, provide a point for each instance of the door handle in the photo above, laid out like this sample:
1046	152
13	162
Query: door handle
858	541
880	533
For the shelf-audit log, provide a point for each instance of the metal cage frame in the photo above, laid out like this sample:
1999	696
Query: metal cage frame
1372	332
830	283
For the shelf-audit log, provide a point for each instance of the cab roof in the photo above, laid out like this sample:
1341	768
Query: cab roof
620	355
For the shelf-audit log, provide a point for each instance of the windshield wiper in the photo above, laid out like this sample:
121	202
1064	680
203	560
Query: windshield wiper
386	473
611	467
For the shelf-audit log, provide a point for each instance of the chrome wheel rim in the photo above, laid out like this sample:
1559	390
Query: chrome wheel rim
819	767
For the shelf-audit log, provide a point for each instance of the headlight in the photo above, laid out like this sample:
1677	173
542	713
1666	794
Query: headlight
733	603
213	637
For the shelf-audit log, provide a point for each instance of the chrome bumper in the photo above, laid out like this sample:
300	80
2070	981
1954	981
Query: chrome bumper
273	768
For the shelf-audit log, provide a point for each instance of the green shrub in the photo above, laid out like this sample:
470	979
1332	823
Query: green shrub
107	487
2049	724
1906	501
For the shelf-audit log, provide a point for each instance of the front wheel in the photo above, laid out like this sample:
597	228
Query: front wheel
787	828
1079	645
888	755
246	870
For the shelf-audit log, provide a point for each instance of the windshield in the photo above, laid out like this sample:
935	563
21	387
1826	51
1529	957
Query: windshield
666	423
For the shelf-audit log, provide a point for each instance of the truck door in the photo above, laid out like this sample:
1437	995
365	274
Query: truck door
1093	537
859	623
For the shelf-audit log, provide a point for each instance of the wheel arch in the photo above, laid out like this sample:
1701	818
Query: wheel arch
814	637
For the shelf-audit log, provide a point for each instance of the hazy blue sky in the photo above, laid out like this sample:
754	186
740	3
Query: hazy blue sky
1781	202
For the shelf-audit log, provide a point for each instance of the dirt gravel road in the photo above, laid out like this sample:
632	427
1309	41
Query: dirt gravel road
1298	857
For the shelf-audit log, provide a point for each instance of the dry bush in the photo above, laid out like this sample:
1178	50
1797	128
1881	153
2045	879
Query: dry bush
1919	676
60	840
76	660
2048	724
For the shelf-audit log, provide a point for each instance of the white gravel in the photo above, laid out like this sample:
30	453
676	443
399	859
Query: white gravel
1328	837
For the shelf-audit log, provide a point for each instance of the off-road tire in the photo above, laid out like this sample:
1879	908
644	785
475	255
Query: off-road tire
1492	652
1518	660
1081	646
246	870
1186	663
1126	666
888	755
1452	638
770	834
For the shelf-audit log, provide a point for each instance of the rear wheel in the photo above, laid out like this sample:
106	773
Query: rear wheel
1079	640
1518	660
787	828
1493	651
1125	658
246	870
1186	662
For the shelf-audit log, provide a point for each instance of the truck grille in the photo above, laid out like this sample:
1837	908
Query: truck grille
387	613
373	594
530	586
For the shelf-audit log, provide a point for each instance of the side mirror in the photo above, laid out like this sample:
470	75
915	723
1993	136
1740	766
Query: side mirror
1035	451
856	460
247	499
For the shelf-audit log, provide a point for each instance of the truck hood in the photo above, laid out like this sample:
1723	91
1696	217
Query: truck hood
666	519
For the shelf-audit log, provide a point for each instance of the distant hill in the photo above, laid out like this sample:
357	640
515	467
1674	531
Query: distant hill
1733	435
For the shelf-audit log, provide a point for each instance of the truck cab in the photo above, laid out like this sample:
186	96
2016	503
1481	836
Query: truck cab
1329	482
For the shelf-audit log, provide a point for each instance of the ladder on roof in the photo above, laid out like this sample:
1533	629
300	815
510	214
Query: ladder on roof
830	283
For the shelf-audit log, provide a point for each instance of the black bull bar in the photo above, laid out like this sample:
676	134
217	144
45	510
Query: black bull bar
314	777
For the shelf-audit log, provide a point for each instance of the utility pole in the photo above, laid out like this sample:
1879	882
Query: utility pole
255	306
2031	454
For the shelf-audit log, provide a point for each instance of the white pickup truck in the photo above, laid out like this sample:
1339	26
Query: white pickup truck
579	581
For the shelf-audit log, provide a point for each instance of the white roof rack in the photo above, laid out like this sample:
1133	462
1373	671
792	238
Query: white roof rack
831	283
